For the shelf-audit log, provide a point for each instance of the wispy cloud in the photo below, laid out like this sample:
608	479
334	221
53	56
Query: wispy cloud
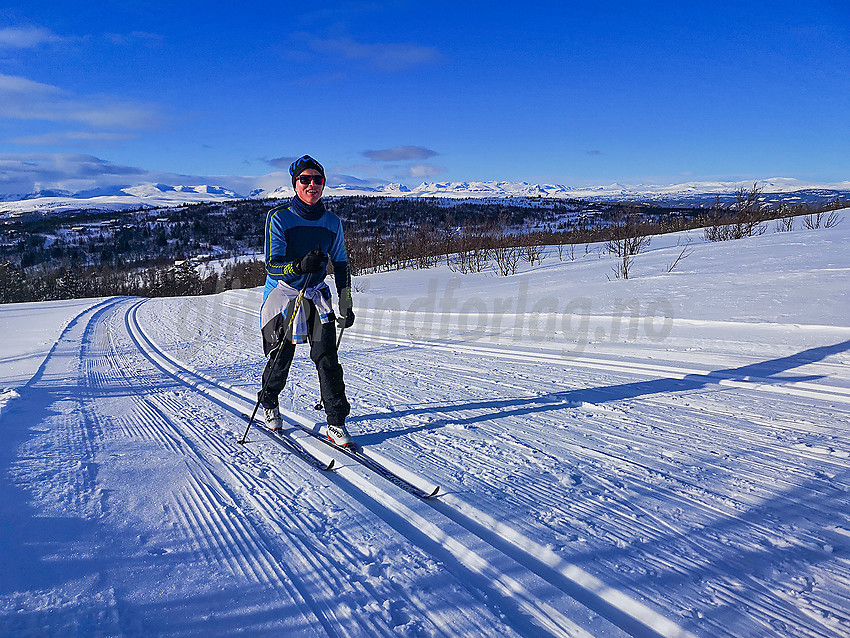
412	166
27	172
390	57
424	171
24	99
26	37
281	162
135	37
11	85
71	138
400	154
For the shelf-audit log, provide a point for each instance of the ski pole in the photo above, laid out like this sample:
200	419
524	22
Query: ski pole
321	404
295	308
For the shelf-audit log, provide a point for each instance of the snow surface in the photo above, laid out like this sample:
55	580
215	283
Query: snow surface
667	455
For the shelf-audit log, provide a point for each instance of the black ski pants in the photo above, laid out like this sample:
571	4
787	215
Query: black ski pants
323	352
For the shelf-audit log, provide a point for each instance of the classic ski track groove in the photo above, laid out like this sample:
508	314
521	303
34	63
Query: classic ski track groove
155	425
540	611
568	580
690	495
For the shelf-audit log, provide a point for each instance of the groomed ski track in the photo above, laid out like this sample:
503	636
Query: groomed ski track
692	485
544	589
286	539
673	497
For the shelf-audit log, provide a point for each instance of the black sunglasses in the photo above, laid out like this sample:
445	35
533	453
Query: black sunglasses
316	179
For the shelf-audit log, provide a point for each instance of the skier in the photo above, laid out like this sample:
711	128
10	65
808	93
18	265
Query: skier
300	238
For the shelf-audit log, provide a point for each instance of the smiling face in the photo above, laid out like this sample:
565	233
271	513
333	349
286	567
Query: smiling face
311	192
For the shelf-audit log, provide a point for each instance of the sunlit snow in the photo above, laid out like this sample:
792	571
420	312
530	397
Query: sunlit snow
663	455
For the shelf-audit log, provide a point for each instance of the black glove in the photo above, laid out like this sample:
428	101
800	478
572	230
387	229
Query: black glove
345	318
347	321
313	262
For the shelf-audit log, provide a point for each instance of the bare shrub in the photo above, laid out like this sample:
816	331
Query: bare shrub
684	254
628	238
743	218
507	259
533	253
569	249
784	224
822	220
470	250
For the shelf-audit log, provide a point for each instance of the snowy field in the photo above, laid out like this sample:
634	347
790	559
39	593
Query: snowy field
667	455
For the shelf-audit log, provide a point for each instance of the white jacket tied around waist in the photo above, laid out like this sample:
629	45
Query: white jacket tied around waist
282	295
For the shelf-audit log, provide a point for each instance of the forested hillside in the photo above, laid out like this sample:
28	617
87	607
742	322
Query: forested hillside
163	252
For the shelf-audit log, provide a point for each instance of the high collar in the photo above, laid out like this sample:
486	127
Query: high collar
306	211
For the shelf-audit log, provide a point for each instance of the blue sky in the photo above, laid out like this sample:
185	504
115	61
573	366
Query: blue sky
129	91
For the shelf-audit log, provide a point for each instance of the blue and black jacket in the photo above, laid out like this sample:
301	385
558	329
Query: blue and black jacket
296	229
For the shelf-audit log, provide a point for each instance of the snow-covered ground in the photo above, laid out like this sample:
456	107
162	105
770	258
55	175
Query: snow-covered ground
665	455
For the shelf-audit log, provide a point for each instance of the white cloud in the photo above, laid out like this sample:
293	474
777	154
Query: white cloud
24	99
400	154
424	171
26	37
67	138
390	57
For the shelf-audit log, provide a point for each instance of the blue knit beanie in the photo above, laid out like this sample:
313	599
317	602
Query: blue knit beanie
302	164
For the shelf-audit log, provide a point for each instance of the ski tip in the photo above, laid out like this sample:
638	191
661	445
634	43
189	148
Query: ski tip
330	465
434	492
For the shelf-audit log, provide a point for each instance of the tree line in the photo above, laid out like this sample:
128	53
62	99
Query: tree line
150	253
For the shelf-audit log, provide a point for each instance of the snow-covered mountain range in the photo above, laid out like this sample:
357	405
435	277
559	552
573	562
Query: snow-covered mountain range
158	195
615	191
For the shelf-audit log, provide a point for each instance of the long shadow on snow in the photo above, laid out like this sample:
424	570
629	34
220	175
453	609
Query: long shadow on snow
785	533
64	555
751	553
765	372
741	565
29	539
